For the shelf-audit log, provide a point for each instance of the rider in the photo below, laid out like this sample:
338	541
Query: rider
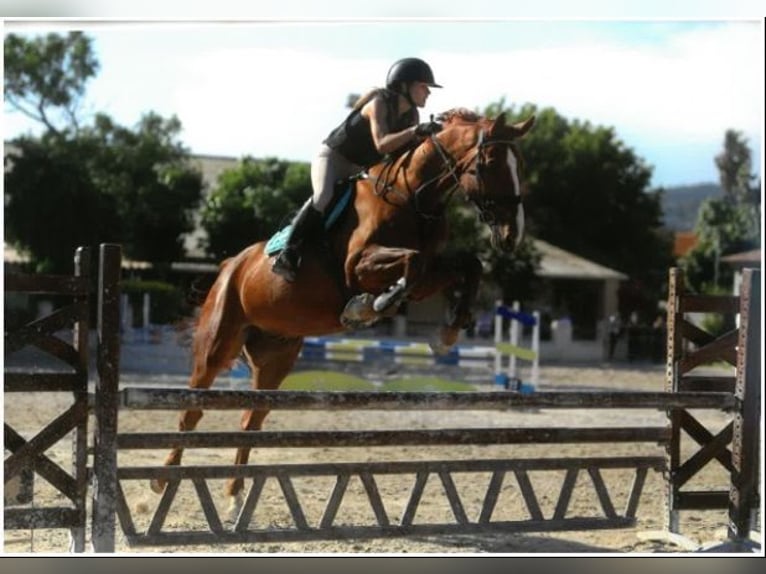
381	122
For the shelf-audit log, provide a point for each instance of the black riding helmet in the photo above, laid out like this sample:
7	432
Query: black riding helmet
410	70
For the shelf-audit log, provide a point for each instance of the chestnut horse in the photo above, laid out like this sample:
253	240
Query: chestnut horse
385	249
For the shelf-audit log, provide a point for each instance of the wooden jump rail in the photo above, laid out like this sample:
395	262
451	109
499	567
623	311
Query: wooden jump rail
418	437
174	399
241	530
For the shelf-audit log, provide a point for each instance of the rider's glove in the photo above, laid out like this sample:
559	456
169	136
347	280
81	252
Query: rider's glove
427	129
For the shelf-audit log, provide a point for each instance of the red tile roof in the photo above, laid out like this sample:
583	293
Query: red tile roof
685	241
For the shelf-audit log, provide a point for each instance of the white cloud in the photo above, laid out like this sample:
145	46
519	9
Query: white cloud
268	102
693	87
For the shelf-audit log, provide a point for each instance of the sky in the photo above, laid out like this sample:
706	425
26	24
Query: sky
670	87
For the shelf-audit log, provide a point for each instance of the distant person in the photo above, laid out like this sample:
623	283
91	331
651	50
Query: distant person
659	339
615	330
382	122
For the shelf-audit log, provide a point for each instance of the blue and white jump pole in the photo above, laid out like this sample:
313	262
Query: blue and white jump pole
510	379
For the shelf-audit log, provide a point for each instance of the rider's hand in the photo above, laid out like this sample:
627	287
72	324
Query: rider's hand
427	129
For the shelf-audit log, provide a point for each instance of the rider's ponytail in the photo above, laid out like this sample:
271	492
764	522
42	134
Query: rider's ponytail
362	100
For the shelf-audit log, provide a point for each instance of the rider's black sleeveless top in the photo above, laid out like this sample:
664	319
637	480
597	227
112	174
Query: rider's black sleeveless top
353	138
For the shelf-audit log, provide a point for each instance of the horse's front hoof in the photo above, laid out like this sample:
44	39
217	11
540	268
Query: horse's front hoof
446	339
438	347
157	485
359	313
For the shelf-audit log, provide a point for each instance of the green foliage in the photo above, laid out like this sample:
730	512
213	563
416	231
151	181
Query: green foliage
588	194
166	301
251	201
52	205
83	185
45	77
717	324
725	225
515	272
153	187
734	167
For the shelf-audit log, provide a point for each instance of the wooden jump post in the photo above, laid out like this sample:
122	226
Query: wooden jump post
689	347
28	457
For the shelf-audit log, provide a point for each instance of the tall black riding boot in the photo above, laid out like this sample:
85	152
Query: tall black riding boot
306	222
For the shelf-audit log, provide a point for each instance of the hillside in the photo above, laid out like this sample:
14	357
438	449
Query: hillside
680	204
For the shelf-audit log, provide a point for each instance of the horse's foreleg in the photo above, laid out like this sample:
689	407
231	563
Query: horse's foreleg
467	289
460	274
389	273
271	359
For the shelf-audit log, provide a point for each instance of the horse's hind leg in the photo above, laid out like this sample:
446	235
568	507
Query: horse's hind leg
271	359
217	343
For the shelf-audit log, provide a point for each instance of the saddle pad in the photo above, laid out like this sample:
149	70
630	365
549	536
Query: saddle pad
279	239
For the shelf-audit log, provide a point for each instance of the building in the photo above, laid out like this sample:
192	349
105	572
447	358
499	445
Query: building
740	261
683	242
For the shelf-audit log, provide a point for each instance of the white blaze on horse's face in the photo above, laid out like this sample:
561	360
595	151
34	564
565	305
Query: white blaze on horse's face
513	166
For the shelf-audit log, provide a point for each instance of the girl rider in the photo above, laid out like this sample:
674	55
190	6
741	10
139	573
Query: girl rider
381	122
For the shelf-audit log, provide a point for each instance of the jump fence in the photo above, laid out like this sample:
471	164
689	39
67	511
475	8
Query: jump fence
735	446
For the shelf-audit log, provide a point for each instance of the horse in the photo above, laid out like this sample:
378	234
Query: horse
387	247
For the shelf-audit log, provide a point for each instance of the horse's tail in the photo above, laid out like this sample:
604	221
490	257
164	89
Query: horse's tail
208	336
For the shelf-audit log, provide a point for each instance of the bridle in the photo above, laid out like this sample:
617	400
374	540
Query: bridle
484	205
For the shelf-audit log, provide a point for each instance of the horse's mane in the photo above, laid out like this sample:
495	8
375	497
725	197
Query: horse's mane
459	115
451	118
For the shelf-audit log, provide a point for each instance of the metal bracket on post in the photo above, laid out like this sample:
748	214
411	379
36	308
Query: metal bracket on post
746	440
106	400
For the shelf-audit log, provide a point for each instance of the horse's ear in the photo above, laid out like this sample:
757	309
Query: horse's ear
520	129
498	124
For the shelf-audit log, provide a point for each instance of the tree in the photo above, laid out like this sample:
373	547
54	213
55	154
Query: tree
589	194
106	184
84	184
146	174
52	206
251	201
513	274
727	225
45	77
734	164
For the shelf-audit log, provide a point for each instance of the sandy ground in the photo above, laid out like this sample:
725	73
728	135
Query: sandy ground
28	413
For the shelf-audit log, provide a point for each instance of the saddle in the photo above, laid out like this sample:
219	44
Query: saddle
342	196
